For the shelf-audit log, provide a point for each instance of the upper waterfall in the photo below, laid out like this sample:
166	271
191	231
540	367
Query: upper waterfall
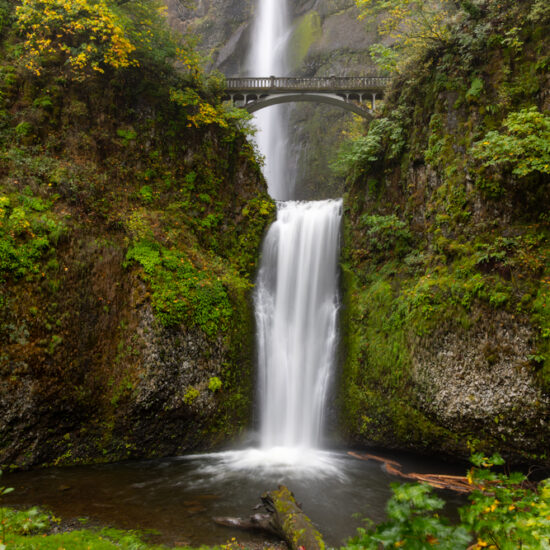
269	57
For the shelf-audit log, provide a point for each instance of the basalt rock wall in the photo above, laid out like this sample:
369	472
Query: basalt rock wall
446	263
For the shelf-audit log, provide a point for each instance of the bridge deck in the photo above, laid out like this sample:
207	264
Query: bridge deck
333	84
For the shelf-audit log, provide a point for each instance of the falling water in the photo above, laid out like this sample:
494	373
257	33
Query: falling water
296	311
267	58
296	297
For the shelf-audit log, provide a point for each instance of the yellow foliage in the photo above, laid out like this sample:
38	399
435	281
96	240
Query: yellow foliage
87	33
200	113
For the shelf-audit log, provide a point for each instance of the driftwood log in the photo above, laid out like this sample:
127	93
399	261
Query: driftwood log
458	484
284	518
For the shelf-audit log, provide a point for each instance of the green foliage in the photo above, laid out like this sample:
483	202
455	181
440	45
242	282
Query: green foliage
413	522
523	148
386	58
504	513
214	384
3	491
540	12
200	112
27	232
24	522
412	25
386	233
385	139
23	129
146	194
182	291
475	89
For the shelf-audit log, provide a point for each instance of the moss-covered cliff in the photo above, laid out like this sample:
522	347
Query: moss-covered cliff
131	213
447	260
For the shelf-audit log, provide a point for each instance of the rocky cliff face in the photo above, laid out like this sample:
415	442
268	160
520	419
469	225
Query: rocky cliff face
326	36
128	243
447	273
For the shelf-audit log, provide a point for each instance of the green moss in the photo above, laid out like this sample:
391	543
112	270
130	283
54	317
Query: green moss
28	232
30	529
190	396
306	31
214	384
182	291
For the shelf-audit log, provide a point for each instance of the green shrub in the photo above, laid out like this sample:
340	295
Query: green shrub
386	233
146	194
27	232
385	139
23	129
505	512
413	523
522	148
475	89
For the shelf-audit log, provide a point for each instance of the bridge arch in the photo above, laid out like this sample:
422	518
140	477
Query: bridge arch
277	99
255	93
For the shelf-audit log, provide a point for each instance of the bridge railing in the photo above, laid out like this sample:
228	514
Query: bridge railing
331	83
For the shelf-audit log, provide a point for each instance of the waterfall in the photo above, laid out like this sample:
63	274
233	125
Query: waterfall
267	58
296	303
296	297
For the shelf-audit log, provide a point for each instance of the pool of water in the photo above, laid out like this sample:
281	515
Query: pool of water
178	497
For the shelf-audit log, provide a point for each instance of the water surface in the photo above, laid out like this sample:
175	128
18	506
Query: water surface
179	496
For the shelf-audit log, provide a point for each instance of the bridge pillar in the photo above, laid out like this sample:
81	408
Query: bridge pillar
374	101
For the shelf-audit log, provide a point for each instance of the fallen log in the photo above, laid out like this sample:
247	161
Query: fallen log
257	522
290	522
284	518
366	456
459	484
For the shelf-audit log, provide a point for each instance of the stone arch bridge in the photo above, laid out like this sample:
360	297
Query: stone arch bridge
357	94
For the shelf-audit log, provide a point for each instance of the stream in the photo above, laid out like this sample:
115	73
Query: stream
178	497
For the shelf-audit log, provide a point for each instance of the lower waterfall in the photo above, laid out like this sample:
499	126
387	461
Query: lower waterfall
296	304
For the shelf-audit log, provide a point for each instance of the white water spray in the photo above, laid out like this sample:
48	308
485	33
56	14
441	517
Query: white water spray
296	312
269	57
